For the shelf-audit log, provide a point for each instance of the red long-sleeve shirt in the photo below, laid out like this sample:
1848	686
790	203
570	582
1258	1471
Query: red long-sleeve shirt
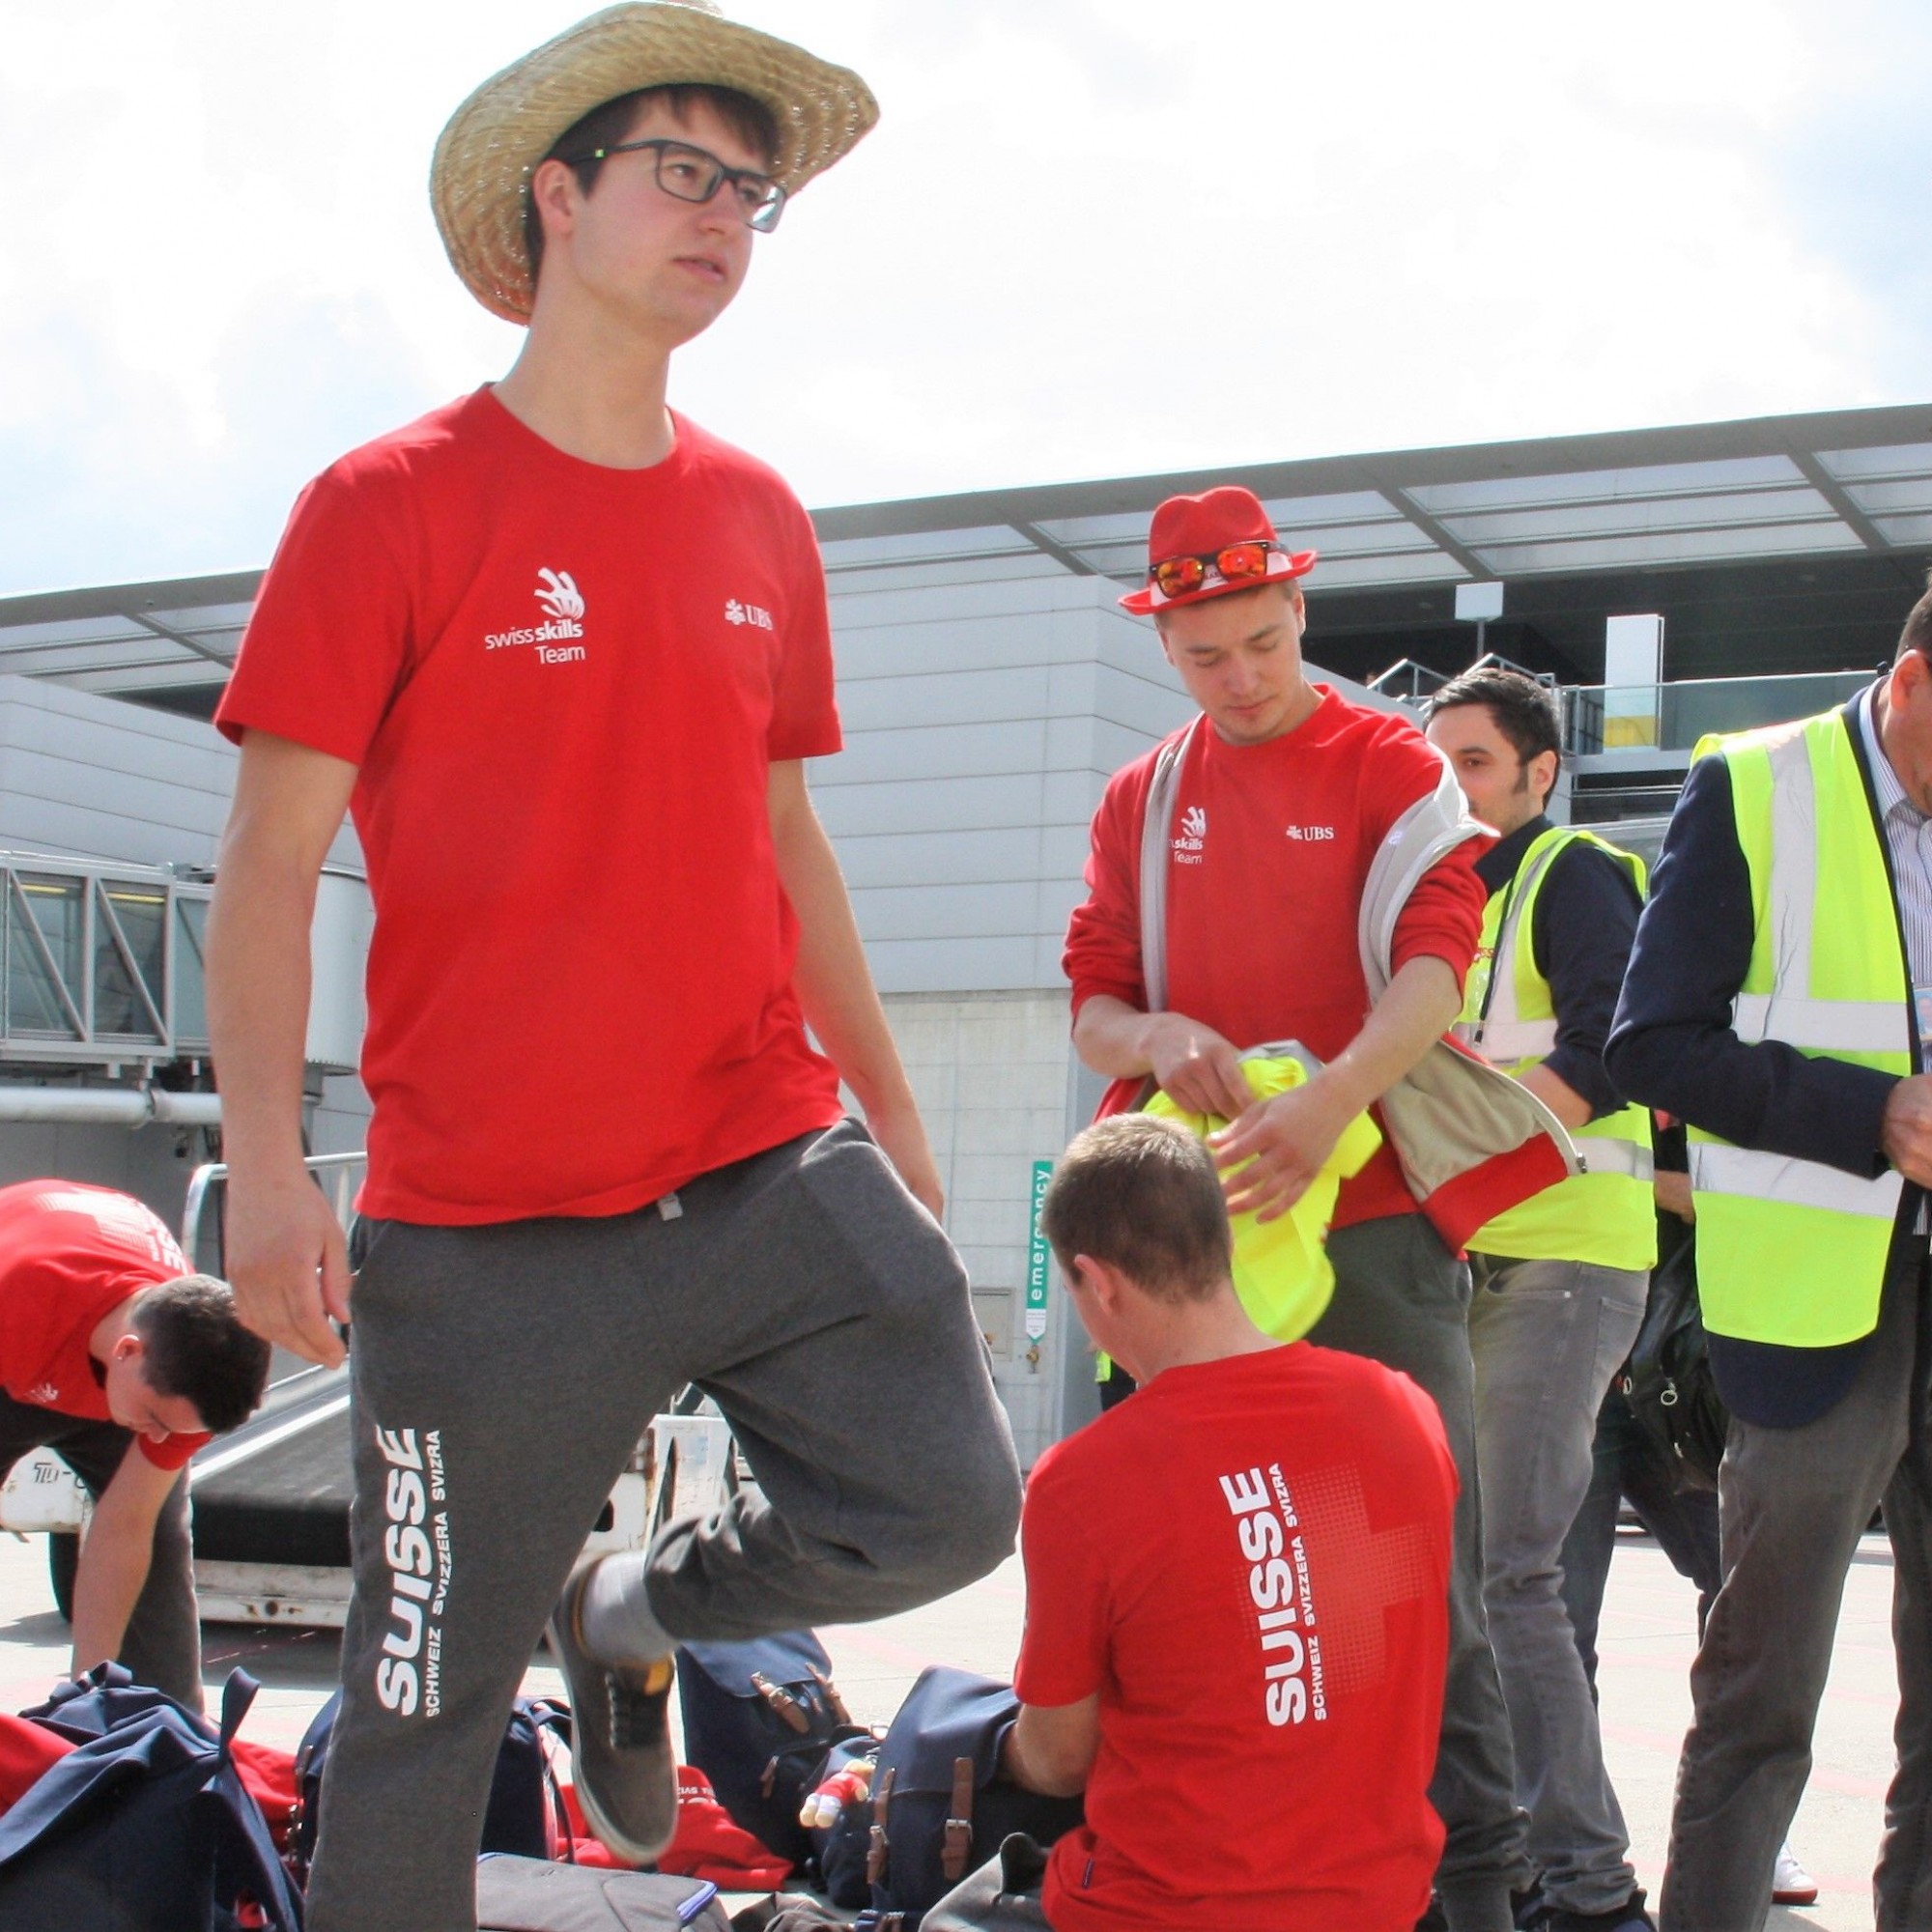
1270	849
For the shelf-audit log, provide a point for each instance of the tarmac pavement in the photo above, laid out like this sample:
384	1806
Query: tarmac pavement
1647	1640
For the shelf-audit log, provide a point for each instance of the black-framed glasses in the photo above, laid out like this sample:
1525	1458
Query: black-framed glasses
691	174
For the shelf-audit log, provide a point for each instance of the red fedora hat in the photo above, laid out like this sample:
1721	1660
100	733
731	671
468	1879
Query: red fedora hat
1201	528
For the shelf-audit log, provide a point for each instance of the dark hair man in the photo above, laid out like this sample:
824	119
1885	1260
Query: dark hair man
1285	797
1559	1280
1236	1587
1779	1001
565	655
112	1354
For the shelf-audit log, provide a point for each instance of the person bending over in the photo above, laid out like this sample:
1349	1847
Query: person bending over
1236	1587
118	1358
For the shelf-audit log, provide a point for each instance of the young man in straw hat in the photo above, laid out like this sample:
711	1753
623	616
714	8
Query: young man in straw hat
1284	803
565	655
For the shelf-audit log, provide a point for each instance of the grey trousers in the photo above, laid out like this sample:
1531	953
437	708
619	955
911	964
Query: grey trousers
162	1646
503	1375
1547	1337
1792	1504
1402	1298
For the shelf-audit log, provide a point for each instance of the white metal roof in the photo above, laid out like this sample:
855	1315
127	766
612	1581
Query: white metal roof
1846	482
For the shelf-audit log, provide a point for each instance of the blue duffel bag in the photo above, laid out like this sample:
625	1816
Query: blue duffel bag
145	1826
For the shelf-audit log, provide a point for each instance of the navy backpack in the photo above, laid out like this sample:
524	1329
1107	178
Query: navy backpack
761	1718
526	1815
941	1805
145	1826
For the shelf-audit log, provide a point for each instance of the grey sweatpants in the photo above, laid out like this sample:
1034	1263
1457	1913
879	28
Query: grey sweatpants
502	1376
1402	1300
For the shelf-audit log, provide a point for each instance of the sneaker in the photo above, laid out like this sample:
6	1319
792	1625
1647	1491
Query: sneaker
1790	1883
1629	1916
620	1737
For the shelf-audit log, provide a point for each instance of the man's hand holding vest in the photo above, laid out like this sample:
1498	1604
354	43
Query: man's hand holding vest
1195	1067
1270	1157
1907	1132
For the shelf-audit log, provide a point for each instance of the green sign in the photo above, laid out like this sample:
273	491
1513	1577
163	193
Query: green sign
1040	1261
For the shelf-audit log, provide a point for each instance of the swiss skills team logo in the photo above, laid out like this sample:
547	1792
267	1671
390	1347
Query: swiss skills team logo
1191	835
556	638
558	594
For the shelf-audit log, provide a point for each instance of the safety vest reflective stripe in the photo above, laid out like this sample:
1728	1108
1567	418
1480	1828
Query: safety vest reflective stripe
1717	1168
1822	1026
1503	1041
1601	1154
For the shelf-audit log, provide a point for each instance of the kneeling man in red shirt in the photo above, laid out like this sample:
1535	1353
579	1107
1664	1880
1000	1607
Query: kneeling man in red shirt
1236	1588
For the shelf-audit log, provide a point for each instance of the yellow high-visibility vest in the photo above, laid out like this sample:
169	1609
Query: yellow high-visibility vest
1282	1270
1794	1252
1607	1214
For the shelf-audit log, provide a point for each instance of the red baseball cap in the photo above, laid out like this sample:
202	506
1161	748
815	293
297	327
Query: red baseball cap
1204	527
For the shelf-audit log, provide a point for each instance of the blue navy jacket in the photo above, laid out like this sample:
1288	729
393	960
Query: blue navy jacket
1672	1047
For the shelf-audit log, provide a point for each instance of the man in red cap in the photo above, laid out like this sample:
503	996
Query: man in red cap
1242	885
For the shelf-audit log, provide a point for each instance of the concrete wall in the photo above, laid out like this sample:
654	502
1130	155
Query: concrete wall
983	719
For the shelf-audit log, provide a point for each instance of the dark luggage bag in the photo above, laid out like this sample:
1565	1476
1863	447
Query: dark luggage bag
941	1804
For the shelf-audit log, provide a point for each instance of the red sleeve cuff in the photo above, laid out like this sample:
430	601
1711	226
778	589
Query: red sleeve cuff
172	1454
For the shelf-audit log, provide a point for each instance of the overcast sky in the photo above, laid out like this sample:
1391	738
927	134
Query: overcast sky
1090	238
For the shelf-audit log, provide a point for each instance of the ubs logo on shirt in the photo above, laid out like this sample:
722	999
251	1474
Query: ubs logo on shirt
1193	834
1312	835
46	1394
754	614
562	604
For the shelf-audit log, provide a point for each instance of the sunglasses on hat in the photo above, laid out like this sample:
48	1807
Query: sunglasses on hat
1176	575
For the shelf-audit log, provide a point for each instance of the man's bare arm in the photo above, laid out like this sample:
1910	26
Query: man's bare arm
835	984
285	1252
114	1558
1052	1746
1280	1144
1191	1063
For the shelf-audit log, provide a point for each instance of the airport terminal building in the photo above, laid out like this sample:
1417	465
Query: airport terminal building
1670	581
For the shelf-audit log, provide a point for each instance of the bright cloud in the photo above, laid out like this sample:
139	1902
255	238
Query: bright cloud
1090	237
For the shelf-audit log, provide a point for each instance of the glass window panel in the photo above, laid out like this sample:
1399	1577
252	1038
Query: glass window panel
59	912
190	1016
116	1003
33	1006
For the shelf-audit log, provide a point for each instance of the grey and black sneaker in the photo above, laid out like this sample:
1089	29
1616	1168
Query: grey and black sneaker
620	1736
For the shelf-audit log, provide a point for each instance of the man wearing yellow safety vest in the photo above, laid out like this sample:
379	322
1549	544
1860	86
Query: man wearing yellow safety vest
1777	1000
1559	1280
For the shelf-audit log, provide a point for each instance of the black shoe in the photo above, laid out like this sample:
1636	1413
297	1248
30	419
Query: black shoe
620	1737
1629	1916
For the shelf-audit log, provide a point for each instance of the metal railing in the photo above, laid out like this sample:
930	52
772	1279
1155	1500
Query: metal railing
1673	717
335	1174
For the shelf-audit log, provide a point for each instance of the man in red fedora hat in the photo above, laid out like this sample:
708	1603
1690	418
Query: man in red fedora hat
1295	866
564	655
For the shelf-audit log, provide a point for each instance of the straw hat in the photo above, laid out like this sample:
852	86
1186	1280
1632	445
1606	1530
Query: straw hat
486	155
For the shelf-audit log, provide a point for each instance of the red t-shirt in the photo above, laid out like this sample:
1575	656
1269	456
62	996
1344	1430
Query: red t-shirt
564	686
69	1255
1271	849
1249	1562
